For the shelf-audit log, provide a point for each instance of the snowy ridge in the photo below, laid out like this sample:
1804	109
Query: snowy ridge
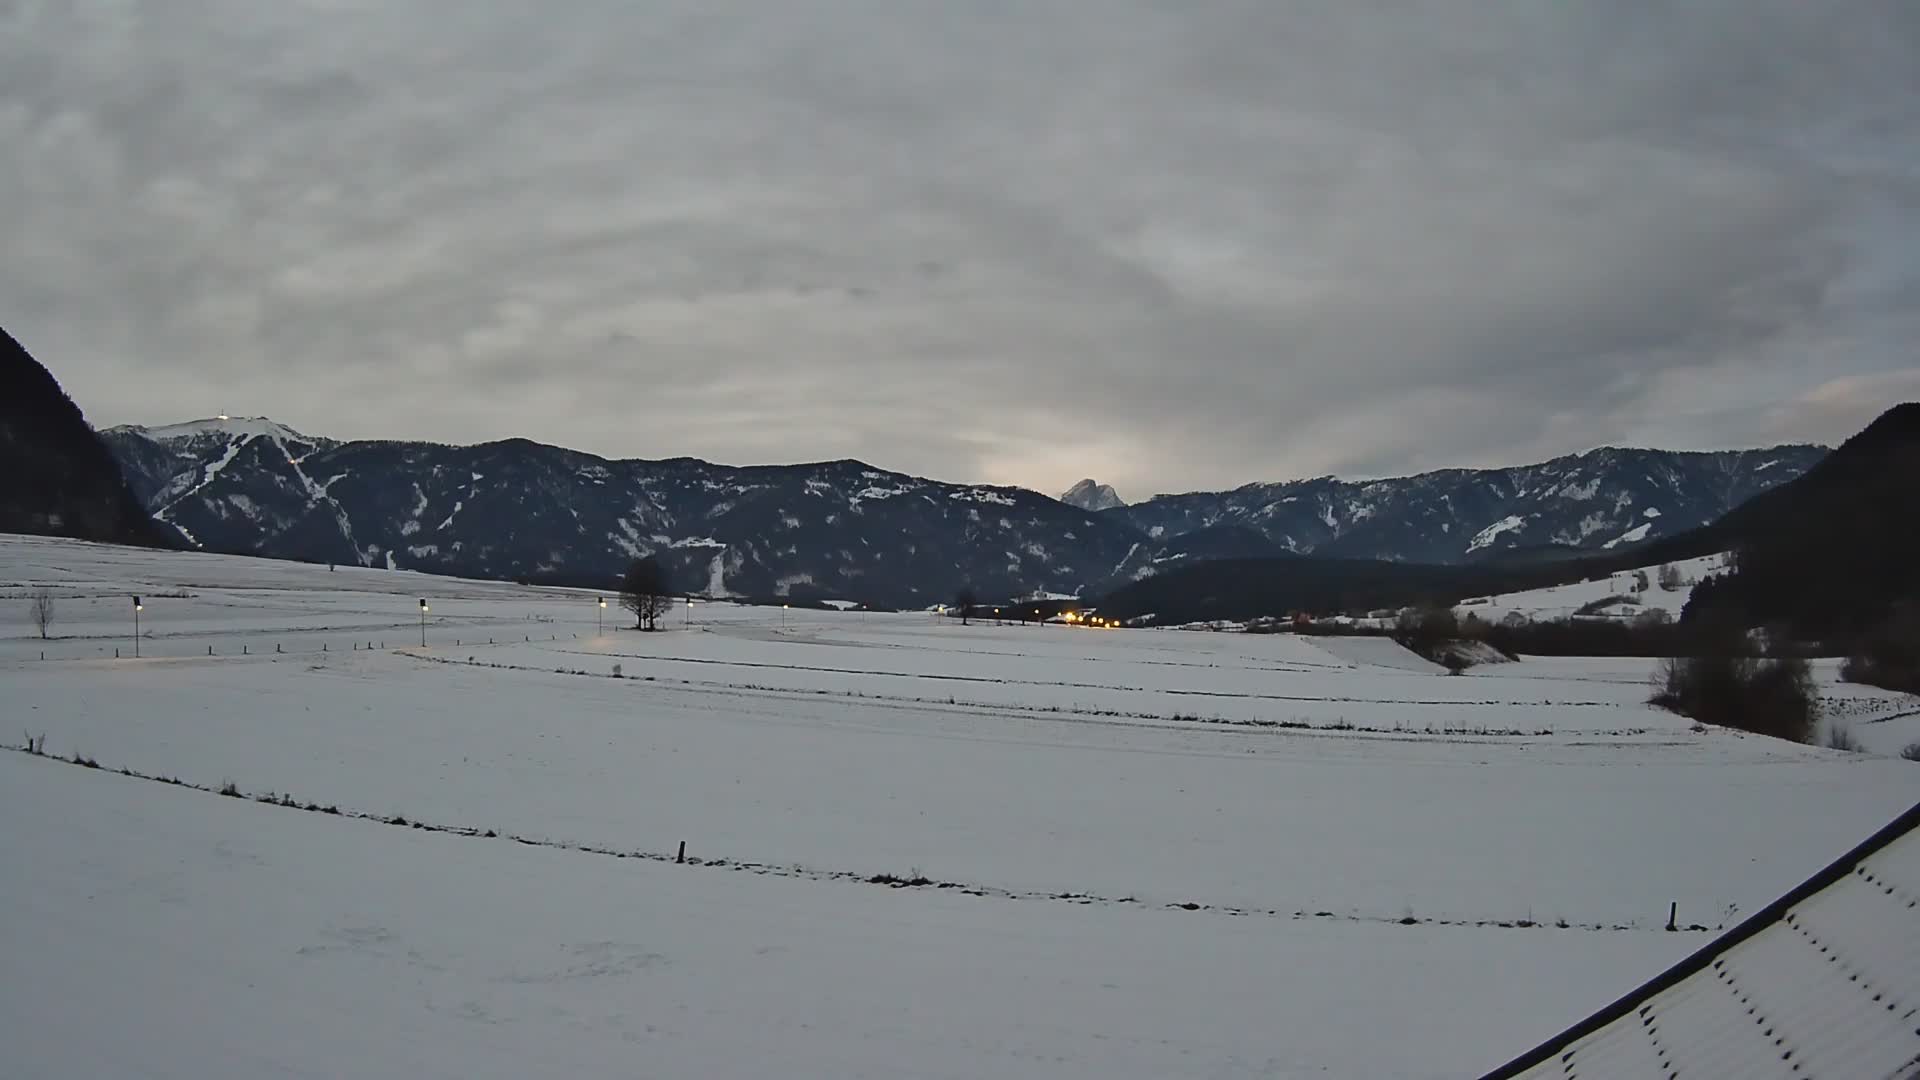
235	427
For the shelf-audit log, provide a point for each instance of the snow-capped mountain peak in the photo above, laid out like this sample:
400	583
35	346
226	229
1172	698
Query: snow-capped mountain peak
228	426
1091	497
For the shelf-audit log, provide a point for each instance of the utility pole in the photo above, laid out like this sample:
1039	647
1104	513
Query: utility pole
137	608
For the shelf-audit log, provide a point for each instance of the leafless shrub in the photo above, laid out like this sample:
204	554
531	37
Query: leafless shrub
42	612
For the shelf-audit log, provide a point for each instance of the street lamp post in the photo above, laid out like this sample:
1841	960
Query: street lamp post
137	609
601	618
689	611
783	615
423	622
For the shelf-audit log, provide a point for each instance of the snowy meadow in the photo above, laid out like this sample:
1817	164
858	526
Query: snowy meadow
911	847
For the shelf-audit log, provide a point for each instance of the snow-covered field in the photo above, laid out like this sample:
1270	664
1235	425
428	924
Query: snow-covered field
1623	587
1146	853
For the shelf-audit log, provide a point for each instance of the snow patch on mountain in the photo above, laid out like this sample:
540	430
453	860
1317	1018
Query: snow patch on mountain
985	495
1580	492
1631	536
208	475
1485	537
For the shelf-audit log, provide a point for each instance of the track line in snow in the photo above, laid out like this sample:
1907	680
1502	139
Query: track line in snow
1230	694
1074	713
803	873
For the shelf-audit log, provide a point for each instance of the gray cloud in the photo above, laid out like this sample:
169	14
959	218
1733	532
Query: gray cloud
1171	246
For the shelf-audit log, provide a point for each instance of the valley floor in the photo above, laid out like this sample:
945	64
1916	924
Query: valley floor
1145	853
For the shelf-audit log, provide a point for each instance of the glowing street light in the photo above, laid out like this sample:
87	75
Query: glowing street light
423	622
783	615
689	611
601	617
138	607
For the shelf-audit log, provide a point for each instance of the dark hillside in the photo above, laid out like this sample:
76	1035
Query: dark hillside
1831	555
56	477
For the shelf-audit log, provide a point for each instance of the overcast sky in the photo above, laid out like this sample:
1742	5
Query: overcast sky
1170	245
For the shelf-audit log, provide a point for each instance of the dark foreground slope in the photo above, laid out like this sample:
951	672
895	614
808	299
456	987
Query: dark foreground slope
1836	553
56	477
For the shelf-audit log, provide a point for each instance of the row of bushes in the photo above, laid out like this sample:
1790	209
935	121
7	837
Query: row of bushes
1711	676
1888	657
1427	631
1767	697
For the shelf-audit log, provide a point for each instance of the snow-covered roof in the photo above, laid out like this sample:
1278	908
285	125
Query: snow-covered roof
1823	982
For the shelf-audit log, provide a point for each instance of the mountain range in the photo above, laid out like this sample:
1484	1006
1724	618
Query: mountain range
1824	557
847	530
1602	499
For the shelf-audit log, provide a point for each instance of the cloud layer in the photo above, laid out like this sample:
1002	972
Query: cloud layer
1171	246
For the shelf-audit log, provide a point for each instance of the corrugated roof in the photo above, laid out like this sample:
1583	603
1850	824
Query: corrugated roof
1824	982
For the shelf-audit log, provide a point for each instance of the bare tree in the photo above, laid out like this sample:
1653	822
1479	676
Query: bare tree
43	611
966	600
1669	577
644	592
